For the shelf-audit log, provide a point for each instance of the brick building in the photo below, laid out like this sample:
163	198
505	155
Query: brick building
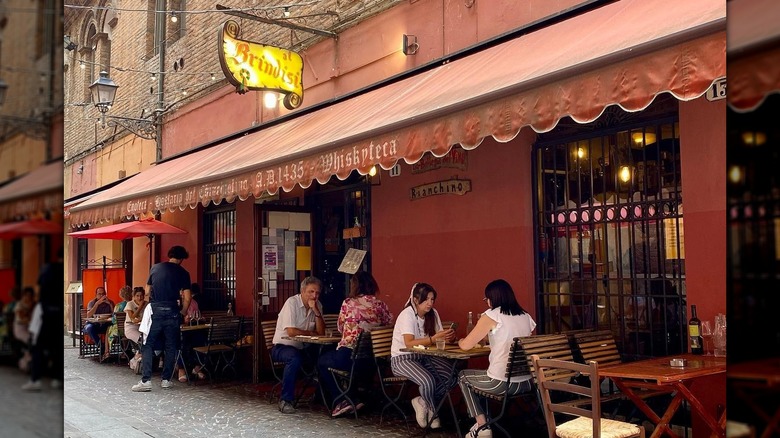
30	140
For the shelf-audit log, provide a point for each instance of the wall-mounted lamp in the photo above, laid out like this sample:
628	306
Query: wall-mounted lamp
753	138
643	139
286	12
270	99
737	174
174	17
103	92
80	169
69	44
580	153
410	46
624	174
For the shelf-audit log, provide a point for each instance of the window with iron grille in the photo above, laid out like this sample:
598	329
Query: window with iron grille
219	259
610	238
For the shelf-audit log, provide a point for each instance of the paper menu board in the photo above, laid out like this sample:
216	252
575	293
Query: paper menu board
352	261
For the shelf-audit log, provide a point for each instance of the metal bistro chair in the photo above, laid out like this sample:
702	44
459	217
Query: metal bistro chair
381	340
587	422
120	344
277	368
87	348
221	342
347	379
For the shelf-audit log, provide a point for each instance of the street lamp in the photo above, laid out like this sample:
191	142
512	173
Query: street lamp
3	89
103	93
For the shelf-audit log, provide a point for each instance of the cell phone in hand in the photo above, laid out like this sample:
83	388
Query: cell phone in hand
453	326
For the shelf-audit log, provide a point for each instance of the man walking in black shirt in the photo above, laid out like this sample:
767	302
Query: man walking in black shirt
166	280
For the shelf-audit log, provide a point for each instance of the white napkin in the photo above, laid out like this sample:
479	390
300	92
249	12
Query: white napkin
146	322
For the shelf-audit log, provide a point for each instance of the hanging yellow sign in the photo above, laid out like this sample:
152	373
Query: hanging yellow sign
259	67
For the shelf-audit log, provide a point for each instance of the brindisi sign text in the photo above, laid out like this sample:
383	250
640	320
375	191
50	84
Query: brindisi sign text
448	187
254	66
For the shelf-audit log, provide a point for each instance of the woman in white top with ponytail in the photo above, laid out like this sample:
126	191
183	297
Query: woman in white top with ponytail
419	324
504	321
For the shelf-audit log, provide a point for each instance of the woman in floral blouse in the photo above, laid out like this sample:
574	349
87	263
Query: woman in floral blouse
361	310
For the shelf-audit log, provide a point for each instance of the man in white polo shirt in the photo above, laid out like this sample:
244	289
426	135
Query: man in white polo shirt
300	315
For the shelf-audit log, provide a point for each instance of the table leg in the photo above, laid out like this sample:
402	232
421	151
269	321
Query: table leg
708	418
662	424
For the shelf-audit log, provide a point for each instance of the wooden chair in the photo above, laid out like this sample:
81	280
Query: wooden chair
517	366
331	321
87	347
600	346
587	422
381	340
277	368
221	343
346	379
120	344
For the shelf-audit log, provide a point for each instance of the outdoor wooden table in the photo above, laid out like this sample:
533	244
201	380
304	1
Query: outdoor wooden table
189	328
657	373
746	378
455	354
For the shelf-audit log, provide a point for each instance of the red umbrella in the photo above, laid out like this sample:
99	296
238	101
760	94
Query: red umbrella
32	227
128	230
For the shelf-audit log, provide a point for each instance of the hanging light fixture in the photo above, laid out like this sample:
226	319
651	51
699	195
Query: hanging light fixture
103	92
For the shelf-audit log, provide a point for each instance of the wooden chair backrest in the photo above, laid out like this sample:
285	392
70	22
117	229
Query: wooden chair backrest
224	330
547	372
381	340
599	346
269	328
363	348
120	323
331	321
517	364
548	347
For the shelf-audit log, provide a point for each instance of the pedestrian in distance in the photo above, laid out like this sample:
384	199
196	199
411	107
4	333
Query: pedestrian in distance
168	282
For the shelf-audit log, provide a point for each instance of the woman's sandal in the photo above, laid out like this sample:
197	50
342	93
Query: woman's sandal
197	371
183	378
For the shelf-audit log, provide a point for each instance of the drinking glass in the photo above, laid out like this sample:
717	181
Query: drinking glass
706	334
440	344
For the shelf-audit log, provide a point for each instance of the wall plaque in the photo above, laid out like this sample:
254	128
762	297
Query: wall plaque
452	186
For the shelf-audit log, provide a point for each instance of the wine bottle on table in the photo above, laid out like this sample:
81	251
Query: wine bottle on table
694	333
470	323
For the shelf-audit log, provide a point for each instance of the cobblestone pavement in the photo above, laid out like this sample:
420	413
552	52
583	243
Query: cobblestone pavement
28	414
99	403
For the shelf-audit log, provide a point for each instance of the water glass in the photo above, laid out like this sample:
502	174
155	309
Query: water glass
706	334
440	344
329	333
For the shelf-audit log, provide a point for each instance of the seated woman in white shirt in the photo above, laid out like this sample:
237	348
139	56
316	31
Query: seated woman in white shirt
504	321
134	310
419	324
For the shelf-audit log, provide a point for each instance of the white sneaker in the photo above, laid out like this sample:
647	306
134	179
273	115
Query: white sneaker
142	386
166	384
32	386
420	411
435	423
483	433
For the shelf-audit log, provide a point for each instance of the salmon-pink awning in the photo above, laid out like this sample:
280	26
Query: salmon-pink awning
34	193
623	53
32	227
129	230
754	52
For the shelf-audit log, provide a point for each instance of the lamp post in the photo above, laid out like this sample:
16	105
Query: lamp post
103	92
